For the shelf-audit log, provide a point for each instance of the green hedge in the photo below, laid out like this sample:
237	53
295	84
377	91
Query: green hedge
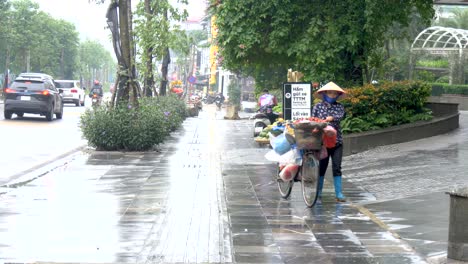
133	129
373	107
444	88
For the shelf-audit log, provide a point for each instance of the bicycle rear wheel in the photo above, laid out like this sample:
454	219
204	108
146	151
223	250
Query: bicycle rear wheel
284	187
310	174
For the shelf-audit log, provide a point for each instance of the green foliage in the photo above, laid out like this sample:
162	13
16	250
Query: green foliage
425	76
132	129
433	63
94	61
445	88
278	108
458	20
373	107
234	92
155	31
443	79
49	45
322	39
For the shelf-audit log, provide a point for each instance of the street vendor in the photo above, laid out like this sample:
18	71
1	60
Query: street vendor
332	112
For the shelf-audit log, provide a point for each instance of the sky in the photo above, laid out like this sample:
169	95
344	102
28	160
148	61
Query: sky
90	18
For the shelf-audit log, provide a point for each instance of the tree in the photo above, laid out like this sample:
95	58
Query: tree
326	40
31	40
23	21
459	19
95	61
4	33
155	35
185	44
119	19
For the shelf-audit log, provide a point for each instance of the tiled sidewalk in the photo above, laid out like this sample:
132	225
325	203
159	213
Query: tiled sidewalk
209	196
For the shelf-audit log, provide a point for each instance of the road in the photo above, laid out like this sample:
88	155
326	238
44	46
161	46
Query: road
32	142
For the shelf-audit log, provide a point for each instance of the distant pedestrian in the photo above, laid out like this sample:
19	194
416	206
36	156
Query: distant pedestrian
333	112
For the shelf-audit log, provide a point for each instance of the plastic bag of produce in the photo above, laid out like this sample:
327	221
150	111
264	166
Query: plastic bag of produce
329	137
291	157
272	156
288	172
281	144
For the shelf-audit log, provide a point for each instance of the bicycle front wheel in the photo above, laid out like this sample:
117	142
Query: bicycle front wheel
310	174
284	187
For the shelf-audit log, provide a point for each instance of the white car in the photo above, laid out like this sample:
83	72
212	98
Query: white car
248	106
72	91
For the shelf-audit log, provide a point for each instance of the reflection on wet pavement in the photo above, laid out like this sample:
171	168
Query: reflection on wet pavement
409	182
208	196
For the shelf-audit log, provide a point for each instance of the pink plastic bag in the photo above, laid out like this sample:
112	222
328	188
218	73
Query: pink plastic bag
288	172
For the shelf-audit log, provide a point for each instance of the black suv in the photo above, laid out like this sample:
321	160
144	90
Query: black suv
33	93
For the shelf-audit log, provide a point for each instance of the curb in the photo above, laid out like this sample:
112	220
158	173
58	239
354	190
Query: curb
17	180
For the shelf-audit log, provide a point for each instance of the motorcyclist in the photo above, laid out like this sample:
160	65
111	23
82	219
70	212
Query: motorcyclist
266	102
96	89
220	98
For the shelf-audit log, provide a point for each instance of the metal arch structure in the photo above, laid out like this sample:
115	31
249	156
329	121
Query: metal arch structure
443	40
446	42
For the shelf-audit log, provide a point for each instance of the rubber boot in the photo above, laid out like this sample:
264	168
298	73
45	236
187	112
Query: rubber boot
339	195
320	186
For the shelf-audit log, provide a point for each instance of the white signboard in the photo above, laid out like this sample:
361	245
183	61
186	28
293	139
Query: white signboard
297	100
300	96
300	113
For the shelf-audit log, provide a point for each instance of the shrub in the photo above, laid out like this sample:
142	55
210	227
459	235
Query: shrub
440	63
426	76
443	79
132	129
391	103
444	88
234	92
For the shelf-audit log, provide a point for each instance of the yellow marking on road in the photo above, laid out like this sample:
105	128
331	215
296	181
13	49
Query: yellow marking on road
375	219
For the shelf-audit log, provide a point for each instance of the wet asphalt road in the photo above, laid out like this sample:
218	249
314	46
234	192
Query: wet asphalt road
33	142
208	196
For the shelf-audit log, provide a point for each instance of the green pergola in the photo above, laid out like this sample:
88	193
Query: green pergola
442	42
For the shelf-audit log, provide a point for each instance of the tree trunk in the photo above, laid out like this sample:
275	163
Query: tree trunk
164	69
62	64
232	112
28	60
149	76
7	59
128	89
165	65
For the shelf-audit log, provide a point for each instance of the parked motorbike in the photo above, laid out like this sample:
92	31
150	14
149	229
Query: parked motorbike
208	99
263	118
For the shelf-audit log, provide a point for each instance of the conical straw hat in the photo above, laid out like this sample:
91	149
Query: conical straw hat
331	86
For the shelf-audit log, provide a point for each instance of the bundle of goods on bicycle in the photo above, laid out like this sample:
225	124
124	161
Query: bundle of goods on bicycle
288	158
313	133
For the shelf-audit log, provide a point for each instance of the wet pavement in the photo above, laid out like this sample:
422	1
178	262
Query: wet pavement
209	196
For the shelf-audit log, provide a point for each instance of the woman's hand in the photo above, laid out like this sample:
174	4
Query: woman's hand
329	118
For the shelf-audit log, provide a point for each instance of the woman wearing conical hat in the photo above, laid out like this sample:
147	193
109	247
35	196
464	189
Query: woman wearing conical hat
333	112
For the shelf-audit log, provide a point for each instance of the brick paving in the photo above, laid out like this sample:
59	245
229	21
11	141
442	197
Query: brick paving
208	196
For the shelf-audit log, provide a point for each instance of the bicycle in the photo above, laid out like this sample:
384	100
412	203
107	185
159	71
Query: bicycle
308	138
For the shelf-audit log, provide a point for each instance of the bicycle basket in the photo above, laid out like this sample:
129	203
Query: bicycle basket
308	135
